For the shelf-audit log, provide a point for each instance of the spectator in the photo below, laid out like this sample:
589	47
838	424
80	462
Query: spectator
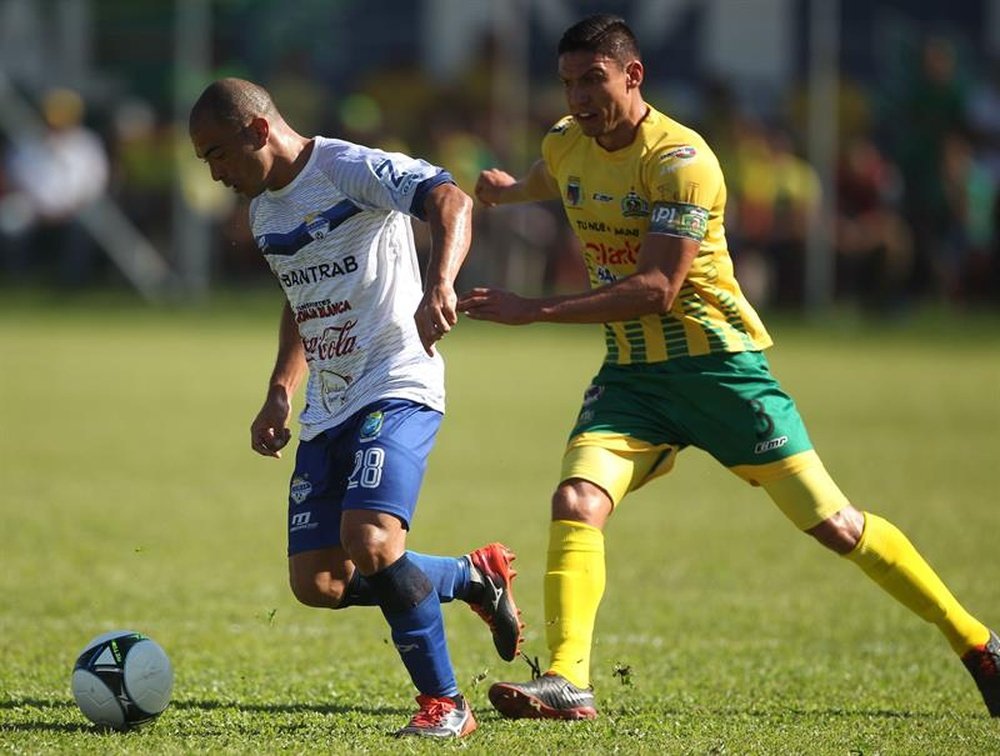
52	178
934	108
966	259
874	242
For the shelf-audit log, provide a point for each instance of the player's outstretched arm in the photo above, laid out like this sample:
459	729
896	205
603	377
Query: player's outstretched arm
269	431
449	212
663	264
497	187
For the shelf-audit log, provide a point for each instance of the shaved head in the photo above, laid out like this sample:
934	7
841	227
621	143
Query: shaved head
235	101
239	133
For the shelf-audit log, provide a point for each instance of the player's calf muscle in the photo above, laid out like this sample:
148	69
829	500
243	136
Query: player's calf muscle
317	589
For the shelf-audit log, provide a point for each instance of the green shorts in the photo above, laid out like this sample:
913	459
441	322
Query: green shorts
727	404
636	418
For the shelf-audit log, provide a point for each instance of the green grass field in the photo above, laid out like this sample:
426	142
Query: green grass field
129	498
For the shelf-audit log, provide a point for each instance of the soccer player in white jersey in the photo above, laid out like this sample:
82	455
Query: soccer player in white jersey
331	219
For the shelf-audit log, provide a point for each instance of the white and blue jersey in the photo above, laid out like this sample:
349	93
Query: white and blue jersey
339	240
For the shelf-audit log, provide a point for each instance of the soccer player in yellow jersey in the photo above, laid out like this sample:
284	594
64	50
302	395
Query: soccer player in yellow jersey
684	365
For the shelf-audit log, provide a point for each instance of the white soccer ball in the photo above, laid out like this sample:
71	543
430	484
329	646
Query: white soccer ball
122	679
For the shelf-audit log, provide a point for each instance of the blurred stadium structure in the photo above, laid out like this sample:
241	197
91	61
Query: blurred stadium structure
860	138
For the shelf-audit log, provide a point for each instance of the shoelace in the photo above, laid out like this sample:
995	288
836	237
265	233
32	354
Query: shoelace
432	710
536	669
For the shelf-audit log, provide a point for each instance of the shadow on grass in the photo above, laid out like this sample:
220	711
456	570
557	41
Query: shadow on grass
276	708
51	704
804	715
290	708
36	703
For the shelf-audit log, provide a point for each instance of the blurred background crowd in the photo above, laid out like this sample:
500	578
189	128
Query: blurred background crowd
880	156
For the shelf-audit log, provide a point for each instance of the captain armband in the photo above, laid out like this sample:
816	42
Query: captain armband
679	219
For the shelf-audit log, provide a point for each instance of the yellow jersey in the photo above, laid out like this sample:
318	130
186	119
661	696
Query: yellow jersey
667	181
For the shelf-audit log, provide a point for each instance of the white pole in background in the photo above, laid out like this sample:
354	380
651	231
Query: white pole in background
191	231
508	133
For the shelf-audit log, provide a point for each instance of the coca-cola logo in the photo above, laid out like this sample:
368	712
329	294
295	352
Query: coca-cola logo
336	341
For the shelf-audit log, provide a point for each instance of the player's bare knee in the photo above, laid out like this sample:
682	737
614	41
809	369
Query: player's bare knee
840	532
581	501
369	547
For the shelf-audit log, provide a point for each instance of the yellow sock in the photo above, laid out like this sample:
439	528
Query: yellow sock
888	558
574	585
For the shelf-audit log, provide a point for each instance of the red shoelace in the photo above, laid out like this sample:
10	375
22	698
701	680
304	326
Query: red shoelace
432	710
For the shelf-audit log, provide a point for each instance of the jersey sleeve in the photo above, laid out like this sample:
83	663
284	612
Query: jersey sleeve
387	180
685	182
555	143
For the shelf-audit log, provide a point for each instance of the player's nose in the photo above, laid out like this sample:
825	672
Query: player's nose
577	96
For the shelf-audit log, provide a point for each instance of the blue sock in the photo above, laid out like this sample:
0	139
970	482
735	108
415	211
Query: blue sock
449	576
412	609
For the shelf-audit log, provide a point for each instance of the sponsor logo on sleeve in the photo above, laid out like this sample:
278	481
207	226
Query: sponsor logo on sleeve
677	158
683	152
679	219
399	184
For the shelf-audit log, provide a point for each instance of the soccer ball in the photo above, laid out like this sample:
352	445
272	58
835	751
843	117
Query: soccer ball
122	679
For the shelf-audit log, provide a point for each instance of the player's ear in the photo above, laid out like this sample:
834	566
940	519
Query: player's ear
258	131
634	73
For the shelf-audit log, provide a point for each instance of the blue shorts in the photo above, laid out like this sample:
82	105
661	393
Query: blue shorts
375	460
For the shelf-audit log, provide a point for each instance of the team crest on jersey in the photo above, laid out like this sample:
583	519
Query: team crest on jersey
300	489
317	225
634	206
574	195
372	426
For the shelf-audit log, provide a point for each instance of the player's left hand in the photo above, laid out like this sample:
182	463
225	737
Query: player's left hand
269	431
435	315
496	305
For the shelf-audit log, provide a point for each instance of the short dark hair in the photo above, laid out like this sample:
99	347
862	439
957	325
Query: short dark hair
602	34
233	101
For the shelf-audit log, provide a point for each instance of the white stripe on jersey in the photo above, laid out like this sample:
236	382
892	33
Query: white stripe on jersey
339	239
